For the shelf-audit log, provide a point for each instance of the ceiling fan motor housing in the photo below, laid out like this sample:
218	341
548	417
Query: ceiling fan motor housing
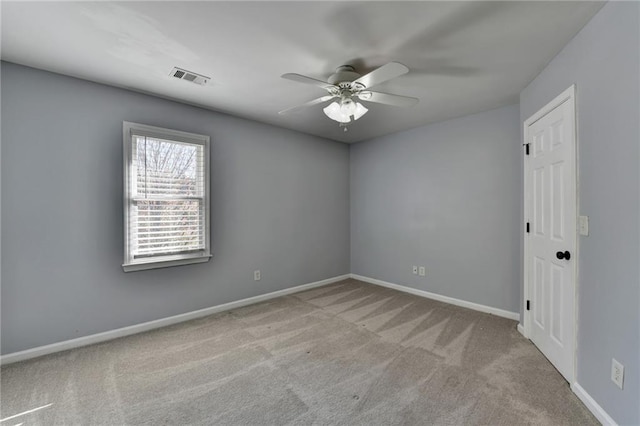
343	74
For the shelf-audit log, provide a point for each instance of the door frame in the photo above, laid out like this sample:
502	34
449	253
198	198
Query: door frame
570	95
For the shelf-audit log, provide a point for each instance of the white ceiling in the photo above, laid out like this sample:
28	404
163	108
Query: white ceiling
464	57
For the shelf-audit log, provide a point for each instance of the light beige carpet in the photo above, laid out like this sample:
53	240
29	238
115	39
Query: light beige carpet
346	353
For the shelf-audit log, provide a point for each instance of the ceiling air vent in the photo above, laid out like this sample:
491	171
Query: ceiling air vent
189	76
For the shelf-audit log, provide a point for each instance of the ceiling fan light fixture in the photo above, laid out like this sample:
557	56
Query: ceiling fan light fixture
334	112
343	111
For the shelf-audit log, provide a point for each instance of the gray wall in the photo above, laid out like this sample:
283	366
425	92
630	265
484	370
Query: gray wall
445	196
604	62
280	203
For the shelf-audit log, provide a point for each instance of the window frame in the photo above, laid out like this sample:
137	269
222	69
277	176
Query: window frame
162	261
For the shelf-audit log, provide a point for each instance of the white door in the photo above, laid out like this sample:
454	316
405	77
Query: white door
550	243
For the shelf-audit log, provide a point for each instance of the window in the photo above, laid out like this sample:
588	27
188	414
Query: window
166	197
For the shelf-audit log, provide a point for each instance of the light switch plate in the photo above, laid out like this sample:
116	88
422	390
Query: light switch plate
583	225
617	373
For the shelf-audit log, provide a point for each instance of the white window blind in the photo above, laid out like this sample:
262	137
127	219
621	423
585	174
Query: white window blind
167	201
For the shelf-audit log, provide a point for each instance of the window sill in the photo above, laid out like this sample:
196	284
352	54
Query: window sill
165	262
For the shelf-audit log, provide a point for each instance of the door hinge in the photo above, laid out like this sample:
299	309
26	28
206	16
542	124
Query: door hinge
526	148
528	305
528	228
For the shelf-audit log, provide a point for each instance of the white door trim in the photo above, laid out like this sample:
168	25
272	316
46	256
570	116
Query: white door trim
568	94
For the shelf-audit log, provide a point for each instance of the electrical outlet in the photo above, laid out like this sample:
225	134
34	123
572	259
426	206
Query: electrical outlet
422	271
617	373
256	275
415	270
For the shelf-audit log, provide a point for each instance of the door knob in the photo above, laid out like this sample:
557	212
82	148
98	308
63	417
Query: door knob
563	255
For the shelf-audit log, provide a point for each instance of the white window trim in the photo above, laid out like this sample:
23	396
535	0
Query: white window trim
130	264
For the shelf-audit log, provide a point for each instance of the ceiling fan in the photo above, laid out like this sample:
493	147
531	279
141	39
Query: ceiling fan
348	87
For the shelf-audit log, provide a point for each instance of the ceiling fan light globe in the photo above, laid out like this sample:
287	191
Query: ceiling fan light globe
348	107
334	112
359	111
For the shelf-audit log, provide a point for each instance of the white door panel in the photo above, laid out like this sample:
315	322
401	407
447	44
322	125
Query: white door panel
550	207
539	293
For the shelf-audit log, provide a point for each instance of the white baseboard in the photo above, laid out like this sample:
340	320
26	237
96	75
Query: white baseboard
592	405
521	330
445	299
163	322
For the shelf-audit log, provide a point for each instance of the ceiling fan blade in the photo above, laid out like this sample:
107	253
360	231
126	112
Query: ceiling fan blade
307	80
306	104
382	74
388	99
